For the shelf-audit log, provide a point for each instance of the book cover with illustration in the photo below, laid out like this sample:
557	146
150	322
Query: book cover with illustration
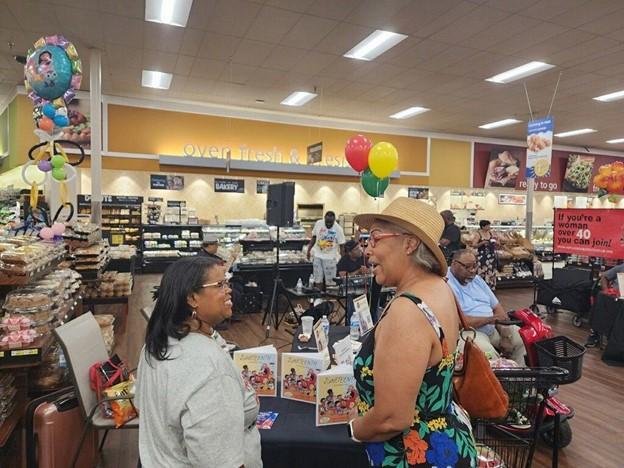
336	396
299	376
258	367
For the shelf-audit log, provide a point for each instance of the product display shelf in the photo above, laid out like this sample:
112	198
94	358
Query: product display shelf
11	422
121	217
231	234
517	279
158	244
23	280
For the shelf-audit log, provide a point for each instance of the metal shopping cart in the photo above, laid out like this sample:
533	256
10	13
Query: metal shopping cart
511	442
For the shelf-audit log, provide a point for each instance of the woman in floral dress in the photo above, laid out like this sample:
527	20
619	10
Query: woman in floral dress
404	370
485	243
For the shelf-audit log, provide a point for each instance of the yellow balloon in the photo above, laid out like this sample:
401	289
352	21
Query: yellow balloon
383	159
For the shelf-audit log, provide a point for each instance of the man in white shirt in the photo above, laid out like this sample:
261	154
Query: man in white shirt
482	309
327	235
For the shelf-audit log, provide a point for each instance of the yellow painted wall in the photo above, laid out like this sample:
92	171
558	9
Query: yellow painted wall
152	131
450	163
21	136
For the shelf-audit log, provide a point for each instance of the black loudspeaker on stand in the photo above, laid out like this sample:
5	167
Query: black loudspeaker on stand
280	213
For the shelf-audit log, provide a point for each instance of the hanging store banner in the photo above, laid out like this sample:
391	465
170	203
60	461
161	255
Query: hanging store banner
578	174
591	232
229	185
166	182
503	168
315	153
539	148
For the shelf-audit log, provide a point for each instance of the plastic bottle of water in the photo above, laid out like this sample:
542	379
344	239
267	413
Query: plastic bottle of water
299	285
354	328
325	322
311	282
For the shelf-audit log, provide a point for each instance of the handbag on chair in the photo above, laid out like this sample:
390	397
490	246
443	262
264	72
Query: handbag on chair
477	389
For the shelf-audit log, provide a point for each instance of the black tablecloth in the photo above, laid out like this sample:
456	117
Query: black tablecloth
294	441
336	333
608	319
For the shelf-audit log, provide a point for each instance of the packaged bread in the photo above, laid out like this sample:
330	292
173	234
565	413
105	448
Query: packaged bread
26	299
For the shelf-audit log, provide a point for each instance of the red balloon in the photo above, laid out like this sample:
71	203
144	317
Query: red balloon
356	152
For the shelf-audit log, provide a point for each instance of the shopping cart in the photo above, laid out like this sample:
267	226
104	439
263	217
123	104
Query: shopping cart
511	442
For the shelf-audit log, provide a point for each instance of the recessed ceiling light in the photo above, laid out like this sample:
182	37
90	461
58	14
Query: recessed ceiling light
617	140
499	123
580	131
156	79
174	12
298	98
374	45
611	96
522	71
409	112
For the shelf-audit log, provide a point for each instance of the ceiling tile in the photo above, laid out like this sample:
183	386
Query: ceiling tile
538	33
233	17
418	53
376	14
159	61
237	73
122	8
332	9
265	78
7	19
272	24
191	42
452	14
293	5
123	30
470	24
284	58
605	24
417	15
573	17
162	37
184	65
512	6
545	10
308	31
513	25
123	56
83	24
252	52
32	16
313	62
201	11
377	73
207	69
342	38
218	46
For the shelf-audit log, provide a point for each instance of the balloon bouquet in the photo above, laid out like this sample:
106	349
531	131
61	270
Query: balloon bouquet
374	163
53	73
610	181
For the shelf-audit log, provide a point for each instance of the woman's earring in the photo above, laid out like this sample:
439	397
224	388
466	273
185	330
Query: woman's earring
194	314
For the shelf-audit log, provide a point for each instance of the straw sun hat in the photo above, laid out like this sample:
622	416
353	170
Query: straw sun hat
414	216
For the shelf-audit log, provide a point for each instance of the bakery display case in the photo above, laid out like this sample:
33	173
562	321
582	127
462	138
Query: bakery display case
163	244
121	217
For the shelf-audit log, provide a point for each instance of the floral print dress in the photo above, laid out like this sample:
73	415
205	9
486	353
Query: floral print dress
486	256
440	435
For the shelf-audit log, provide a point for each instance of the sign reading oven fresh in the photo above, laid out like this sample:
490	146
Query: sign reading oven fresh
229	185
539	147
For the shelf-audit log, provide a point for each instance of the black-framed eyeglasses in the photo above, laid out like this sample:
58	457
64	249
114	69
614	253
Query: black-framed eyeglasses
472	266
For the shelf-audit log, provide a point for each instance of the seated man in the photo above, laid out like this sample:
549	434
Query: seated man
608	280
481	308
352	262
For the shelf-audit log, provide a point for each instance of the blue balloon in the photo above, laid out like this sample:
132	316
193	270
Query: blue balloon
61	121
49	110
49	72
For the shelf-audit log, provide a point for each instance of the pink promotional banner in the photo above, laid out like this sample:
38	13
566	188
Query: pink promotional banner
591	232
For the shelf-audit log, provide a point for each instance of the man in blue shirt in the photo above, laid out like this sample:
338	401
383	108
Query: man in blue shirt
482	309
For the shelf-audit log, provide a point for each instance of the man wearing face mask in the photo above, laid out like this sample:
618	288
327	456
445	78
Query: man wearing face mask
482	309
327	235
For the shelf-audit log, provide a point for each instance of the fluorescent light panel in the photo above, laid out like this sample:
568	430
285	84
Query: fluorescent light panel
499	123
298	98
409	112
374	45
611	96
156	79
617	140
173	12
522	71
580	131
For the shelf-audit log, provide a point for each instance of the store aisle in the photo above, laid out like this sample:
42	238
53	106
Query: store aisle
598	426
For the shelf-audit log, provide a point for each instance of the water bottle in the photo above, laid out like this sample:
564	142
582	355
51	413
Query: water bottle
354	329
299	285
311	282
325	322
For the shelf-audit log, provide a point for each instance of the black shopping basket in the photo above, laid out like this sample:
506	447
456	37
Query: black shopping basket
562	352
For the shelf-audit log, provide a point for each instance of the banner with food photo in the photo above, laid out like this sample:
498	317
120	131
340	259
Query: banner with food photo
578	174
503	169
79	129
539	147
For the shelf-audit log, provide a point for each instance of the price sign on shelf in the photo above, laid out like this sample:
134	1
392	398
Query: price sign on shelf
591	232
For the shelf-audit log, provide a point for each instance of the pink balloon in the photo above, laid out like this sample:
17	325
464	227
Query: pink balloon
46	233
58	229
356	152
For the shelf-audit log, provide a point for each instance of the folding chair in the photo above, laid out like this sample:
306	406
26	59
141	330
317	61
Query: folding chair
83	346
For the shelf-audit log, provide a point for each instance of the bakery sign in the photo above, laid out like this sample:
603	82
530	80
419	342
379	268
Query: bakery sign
229	185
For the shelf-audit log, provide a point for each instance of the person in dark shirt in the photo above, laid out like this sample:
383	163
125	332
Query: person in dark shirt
210	245
352	262
450	242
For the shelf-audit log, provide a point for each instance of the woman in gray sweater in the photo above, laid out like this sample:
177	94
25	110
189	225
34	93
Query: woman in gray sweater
195	409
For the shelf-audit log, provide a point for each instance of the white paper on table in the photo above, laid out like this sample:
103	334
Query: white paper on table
363	310
344	351
321	343
620	280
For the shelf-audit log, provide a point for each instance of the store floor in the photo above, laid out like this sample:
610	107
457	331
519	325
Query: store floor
598	426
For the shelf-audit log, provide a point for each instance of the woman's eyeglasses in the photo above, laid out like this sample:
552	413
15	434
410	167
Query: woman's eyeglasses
223	284
376	236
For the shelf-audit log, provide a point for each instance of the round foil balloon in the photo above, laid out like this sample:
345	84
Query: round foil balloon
49	72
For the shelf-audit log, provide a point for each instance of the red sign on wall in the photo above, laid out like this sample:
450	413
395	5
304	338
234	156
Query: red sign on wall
595	232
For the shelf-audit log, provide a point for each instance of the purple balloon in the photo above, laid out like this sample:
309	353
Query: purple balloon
44	165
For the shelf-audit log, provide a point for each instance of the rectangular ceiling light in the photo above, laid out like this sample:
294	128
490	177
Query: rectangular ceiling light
499	123
611	96
409	112
522	71
617	140
173	12
374	45
580	131
156	79
298	98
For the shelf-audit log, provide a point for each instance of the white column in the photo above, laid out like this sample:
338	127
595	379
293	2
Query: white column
95	85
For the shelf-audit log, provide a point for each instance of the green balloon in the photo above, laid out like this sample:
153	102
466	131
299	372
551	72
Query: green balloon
373	185
57	161
58	173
